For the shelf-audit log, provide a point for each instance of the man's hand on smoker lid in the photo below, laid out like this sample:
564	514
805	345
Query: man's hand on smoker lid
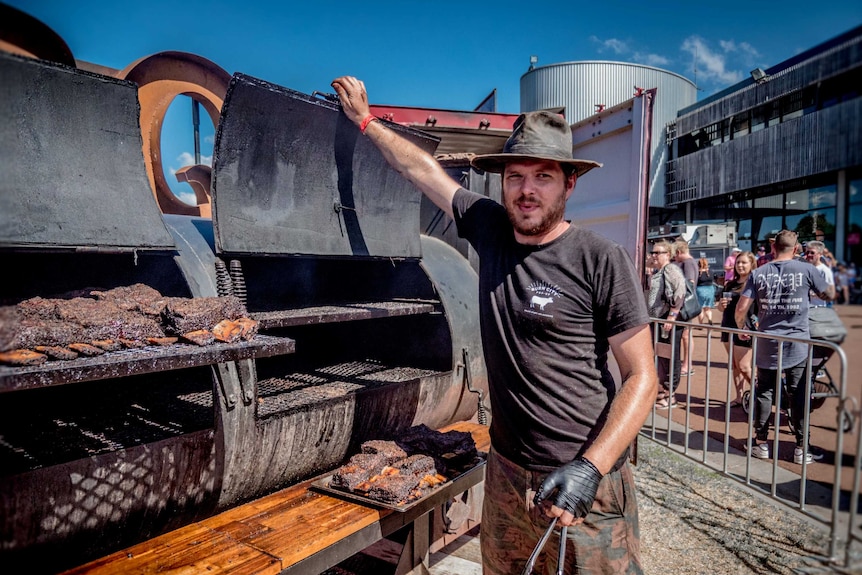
354	98
576	484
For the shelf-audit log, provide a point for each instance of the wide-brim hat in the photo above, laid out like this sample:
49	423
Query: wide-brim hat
536	136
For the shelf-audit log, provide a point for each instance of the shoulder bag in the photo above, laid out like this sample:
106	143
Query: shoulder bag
690	305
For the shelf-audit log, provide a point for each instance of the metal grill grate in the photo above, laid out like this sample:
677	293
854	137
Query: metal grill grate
301	390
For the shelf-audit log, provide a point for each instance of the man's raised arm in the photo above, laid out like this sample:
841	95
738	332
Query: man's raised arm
415	164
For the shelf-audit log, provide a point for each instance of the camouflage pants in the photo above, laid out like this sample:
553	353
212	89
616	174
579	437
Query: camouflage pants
607	542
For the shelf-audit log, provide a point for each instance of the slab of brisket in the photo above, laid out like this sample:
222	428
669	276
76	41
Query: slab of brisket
450	450
418	465
388	449
182	315
393	488
360	468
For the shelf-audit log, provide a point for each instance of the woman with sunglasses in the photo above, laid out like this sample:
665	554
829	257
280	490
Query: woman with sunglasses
664	300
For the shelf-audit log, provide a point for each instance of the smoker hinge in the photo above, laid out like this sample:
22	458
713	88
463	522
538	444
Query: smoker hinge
233	374
247	379
482	414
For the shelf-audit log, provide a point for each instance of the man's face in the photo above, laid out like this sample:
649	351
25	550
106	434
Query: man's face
534	195
812	256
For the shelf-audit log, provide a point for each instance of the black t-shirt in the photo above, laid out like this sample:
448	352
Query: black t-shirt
704	279
546	313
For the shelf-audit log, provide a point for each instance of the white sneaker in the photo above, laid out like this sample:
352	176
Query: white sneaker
760	450
814	454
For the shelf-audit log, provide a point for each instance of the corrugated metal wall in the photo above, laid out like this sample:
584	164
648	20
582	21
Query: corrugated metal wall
579	86
824	141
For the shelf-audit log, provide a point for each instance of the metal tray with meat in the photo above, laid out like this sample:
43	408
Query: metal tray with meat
400	474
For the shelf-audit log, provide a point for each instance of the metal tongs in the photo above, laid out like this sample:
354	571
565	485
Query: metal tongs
561	557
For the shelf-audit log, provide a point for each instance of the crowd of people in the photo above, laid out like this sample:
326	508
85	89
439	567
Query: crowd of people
775	291
848	284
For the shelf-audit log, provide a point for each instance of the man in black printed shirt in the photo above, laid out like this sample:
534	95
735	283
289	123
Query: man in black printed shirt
555	299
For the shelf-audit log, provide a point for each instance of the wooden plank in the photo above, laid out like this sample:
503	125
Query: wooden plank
192	549
267	535
295	534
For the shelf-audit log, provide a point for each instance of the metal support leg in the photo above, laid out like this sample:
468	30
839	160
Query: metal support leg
414	557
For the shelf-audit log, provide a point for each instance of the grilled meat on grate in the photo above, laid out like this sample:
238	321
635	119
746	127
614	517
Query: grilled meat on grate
22	357
57	351
182	315
90	322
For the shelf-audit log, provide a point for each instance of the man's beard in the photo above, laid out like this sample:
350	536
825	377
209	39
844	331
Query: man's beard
550	219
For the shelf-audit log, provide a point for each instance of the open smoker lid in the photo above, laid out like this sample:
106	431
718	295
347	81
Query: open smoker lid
71	160
293	176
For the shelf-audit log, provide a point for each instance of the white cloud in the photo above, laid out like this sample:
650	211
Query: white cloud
209	139
621	47
612	44
186	197
743	48
651	59
711	65
188	159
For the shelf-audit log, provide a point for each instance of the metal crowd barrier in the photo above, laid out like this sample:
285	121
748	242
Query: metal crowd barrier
669	428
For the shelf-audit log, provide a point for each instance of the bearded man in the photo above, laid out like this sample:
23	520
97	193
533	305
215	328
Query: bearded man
554	300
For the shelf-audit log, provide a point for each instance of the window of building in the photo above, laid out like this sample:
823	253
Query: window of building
772	111
758	119
814	225
743	230
824	197
791	106
740	125
798	201
713	133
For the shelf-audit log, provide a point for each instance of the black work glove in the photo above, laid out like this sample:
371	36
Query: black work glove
576	484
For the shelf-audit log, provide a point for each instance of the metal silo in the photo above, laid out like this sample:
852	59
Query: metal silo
583	88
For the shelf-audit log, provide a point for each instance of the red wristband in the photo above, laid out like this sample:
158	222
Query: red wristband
368	119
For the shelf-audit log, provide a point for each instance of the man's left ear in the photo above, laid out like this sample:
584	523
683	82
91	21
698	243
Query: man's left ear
570	185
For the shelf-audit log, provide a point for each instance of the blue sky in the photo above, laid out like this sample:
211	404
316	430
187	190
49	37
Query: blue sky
442	53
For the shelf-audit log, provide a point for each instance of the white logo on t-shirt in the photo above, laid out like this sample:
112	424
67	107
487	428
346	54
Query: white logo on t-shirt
540	302
542	299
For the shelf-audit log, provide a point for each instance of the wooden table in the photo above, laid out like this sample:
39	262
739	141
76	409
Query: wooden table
292	531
